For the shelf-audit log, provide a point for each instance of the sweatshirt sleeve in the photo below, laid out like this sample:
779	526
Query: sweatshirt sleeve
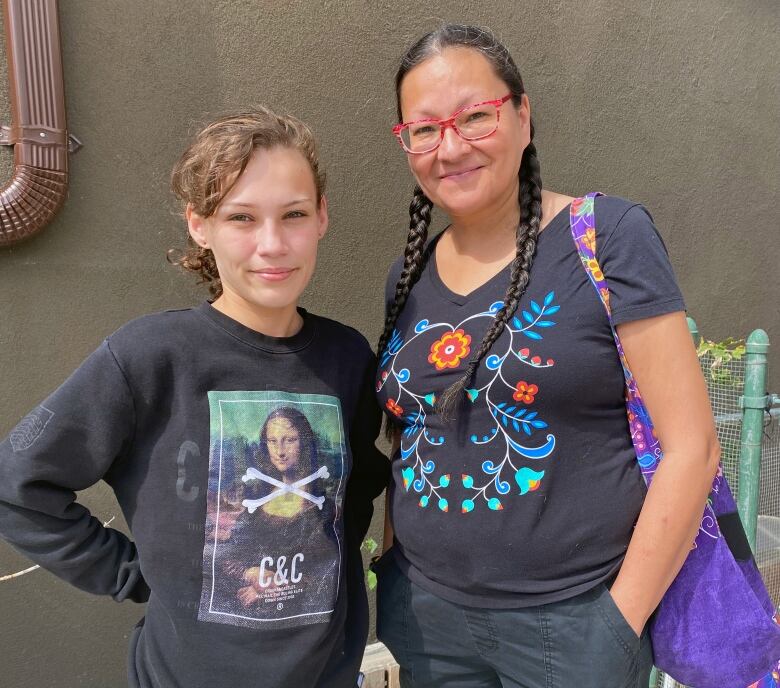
66	444
370	467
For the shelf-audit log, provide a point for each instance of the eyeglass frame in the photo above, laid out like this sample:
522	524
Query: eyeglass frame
450	122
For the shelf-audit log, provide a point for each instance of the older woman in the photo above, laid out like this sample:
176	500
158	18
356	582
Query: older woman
527	551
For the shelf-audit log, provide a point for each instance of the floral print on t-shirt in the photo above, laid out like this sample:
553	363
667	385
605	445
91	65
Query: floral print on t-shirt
517	442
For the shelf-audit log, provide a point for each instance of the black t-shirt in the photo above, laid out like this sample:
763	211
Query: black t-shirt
530	495
245	466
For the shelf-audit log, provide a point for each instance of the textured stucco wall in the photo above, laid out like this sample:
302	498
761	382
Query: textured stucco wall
673	104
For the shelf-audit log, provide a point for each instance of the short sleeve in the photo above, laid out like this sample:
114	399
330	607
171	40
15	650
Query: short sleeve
635	262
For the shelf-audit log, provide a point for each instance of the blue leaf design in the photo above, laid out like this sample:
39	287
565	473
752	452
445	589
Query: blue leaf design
539	424
527	430
528	317
501	405
511	409
518	325
516	426
549	298
545	323
532	415
534	452
552	310
520	413
504	420
531	334
536	308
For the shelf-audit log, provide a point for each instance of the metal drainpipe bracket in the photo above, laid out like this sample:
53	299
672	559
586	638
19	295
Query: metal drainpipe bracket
8	137
74	145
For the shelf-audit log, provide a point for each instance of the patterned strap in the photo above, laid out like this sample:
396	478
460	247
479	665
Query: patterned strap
646	445
583	231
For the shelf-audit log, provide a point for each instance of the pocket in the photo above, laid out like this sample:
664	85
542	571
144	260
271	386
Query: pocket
392	605
379	564
614	619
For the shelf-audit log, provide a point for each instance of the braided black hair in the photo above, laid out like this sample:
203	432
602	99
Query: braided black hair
529	200
414	260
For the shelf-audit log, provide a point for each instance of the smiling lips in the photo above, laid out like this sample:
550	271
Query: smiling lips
274	274
460	174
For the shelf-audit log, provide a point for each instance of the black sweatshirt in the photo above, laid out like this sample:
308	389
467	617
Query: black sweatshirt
245	466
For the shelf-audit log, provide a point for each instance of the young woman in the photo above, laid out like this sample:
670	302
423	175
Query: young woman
167	412
527	551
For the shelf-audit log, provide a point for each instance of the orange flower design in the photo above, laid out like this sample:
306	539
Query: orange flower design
595	270
590	239
450	350
394	407
525	392
605	296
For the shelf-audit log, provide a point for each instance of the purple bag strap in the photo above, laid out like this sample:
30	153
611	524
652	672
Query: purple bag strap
646	445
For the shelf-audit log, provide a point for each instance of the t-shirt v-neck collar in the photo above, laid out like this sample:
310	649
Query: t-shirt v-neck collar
502	275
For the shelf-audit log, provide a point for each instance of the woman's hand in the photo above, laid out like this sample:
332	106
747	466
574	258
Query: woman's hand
663	360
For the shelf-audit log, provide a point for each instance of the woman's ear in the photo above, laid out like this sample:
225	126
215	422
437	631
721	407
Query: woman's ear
196	226
322	216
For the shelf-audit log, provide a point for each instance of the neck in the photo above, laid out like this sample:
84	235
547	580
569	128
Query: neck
274	322
488	235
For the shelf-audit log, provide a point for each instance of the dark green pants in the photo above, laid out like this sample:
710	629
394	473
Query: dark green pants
583	642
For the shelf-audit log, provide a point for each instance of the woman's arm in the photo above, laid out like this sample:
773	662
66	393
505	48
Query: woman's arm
387	537
68	444
662	357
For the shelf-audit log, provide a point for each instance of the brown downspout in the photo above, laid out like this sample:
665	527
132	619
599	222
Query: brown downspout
38	128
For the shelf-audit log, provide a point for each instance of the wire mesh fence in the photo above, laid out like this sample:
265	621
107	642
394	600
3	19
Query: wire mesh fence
726	384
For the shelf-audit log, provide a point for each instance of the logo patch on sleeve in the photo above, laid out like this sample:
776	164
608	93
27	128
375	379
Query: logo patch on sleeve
30	428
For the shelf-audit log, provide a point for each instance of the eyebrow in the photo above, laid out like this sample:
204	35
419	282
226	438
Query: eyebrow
463	102
239	204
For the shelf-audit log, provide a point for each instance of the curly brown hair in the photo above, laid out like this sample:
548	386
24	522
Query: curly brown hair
215	160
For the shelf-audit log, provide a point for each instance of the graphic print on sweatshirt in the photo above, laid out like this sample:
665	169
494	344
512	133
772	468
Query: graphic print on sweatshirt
277	473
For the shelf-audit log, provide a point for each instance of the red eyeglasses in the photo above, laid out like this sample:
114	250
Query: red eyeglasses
471	123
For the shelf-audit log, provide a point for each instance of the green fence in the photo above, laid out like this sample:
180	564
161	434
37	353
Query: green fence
748	425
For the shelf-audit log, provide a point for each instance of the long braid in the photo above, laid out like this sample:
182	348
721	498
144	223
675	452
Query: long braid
414	261
530	200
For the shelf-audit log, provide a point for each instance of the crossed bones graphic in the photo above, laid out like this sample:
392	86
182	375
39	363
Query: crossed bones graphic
294	488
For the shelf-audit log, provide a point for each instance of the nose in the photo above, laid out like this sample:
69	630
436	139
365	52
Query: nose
271	240
452	146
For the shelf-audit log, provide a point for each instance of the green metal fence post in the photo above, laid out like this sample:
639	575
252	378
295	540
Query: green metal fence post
694	330
754	404
654	678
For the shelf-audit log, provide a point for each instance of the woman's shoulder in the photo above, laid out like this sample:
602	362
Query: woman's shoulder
158	326
147	337
347	338
621	219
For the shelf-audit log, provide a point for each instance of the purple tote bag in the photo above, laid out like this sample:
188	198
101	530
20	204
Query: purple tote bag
714	627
